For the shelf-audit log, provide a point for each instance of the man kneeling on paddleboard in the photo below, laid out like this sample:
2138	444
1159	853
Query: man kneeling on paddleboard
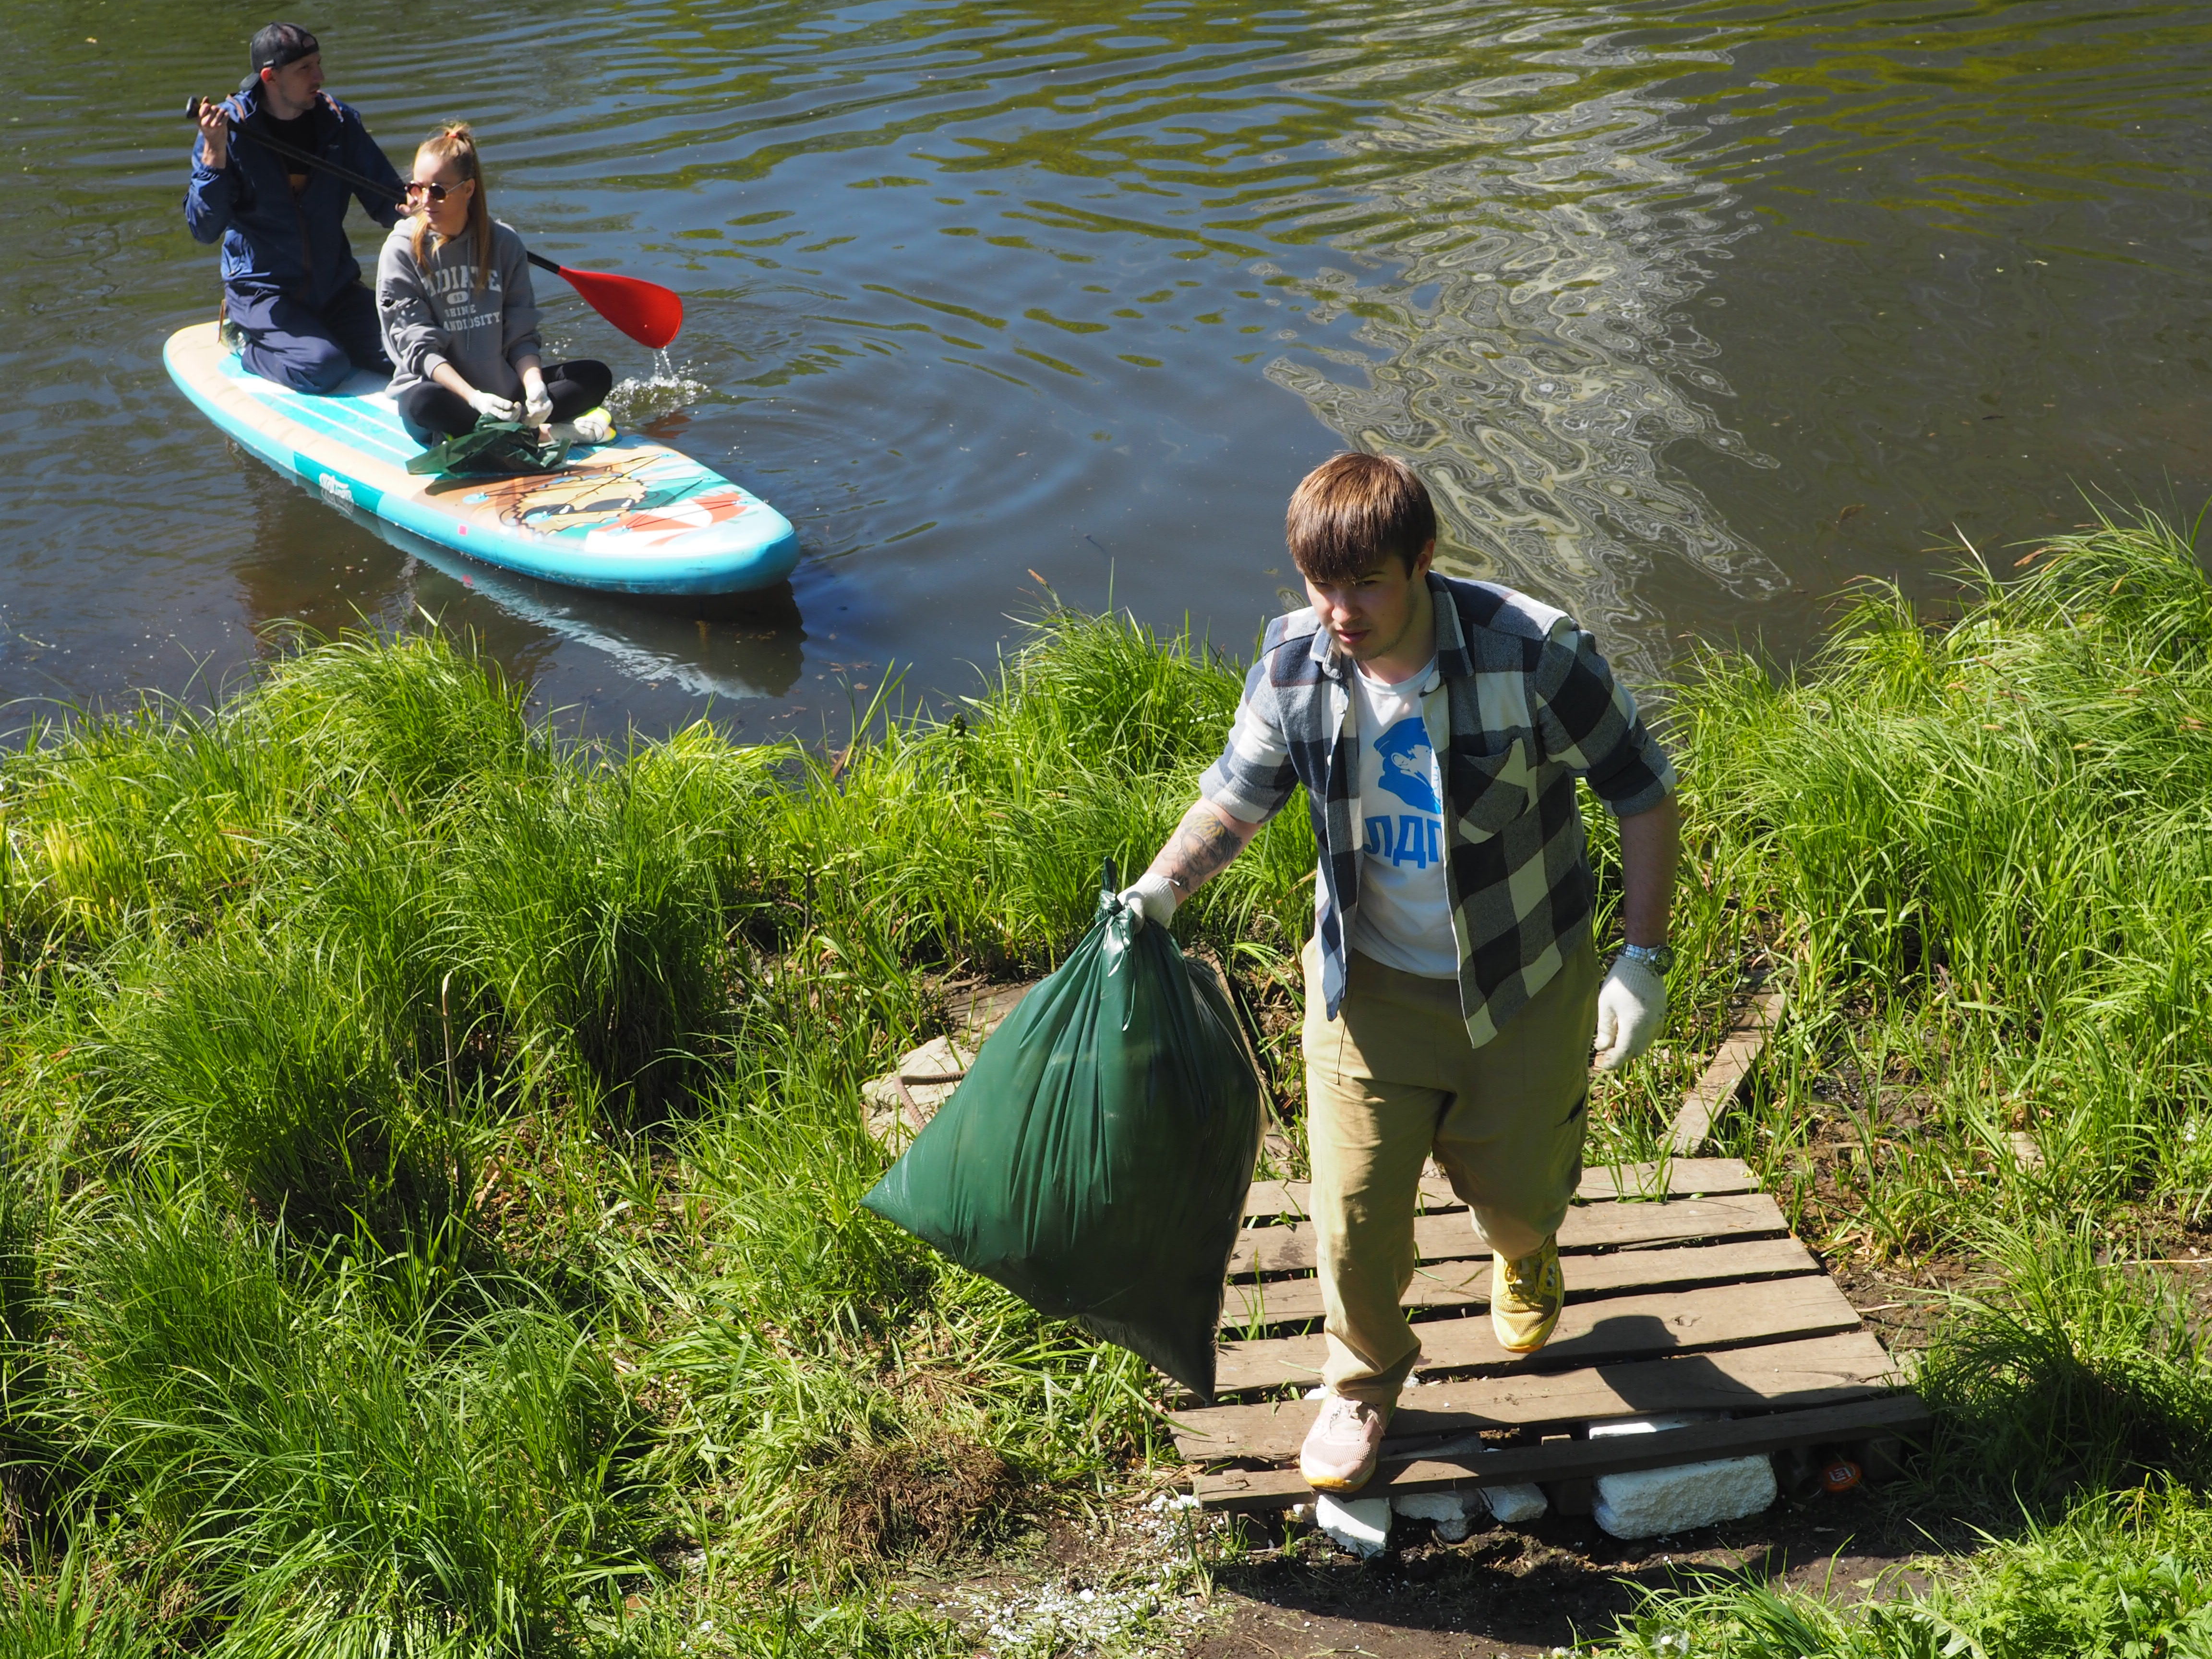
292	289
460	320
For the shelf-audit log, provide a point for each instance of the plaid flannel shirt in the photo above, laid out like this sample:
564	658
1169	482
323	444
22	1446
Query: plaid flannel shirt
1523	705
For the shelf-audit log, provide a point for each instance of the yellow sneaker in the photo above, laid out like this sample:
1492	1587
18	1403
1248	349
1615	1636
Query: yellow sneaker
596	426
1526	1295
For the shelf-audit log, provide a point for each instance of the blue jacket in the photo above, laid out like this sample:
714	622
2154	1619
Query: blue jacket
271	243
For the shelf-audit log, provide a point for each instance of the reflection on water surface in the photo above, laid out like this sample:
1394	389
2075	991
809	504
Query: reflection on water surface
1689	313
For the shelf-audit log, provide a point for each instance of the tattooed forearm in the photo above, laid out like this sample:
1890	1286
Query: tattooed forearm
1202	845
1205	840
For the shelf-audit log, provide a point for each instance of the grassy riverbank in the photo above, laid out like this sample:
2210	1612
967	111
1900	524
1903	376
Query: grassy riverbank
432	1155
430	1151
1978	853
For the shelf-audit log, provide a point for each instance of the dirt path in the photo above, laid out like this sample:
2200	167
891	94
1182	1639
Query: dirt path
1526	1590
1127	1580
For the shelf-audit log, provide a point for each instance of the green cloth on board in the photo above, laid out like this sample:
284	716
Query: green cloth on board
494	449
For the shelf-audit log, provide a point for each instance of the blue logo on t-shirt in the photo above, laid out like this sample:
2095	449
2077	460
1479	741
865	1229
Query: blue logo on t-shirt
1405	760
1416	841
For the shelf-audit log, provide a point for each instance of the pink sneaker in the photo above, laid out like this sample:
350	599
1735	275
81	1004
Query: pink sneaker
1343	1445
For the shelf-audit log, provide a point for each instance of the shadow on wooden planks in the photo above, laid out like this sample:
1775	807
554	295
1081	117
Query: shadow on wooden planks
1686	1294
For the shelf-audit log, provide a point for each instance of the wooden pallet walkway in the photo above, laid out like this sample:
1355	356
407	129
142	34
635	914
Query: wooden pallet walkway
1686	1294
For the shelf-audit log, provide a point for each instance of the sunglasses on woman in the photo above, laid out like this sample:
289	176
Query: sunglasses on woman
416	187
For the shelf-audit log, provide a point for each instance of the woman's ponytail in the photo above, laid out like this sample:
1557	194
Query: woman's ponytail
455	143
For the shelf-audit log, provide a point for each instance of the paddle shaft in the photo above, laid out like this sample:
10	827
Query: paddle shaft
647	313
358	181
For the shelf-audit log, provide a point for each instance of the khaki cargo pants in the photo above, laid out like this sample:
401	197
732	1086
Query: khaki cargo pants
1394	1079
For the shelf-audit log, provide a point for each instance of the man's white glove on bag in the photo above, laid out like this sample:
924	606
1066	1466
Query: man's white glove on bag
537	402
1630	1006
1151	898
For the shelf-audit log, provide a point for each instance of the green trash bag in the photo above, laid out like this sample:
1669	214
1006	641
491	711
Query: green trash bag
494	449
1096	1158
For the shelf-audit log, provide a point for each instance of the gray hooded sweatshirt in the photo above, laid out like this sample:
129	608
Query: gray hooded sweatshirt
435	314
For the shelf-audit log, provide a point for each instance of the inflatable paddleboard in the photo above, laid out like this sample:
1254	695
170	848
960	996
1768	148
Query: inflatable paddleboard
629	517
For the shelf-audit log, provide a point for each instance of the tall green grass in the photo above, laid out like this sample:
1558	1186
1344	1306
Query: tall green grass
1979	852
60	1609
2127	1576
347	1482
982	837
2069	1374
436	1159
1975	853
430	1149
273	1071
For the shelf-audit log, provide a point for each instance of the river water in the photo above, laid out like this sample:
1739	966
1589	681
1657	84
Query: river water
1689	313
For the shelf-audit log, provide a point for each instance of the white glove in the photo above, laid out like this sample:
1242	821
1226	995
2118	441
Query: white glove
536	401
490	408
1151	898
1630	1006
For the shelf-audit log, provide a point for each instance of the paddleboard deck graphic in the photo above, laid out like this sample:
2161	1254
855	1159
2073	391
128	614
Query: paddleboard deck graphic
629	517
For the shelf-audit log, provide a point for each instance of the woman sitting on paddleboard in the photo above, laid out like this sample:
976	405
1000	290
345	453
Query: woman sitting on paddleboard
459	320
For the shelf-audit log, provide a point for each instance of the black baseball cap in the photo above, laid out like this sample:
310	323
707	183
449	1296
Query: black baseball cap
275	45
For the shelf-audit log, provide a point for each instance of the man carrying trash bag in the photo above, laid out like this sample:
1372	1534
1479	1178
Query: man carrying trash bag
1452	985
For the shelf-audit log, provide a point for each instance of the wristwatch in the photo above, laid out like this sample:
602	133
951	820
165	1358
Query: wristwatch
1659	959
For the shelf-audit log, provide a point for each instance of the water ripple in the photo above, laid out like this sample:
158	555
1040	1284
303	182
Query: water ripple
975	289
1528	352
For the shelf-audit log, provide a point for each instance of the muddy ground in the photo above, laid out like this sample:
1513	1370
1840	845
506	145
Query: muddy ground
1526	1590
1126	1580
1280	1590
1275	1588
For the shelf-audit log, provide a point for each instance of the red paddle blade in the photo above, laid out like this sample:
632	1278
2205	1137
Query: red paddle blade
649	314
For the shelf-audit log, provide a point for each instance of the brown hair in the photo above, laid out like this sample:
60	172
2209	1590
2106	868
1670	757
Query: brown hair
1353	510
454	142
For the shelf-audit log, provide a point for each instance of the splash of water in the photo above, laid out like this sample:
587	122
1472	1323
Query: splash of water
667	389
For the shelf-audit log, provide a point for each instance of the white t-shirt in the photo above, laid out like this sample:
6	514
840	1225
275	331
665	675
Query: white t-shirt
1404	918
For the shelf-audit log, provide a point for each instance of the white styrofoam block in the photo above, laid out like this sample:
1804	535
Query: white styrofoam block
1361	1525
1447	1509
1512	1504
1651	1424
1647	1503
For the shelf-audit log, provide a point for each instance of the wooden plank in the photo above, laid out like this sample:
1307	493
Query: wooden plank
1255	1304
1686	1175
1732	1062
1819	1370
1570	1459
1290	1248
1588	1333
